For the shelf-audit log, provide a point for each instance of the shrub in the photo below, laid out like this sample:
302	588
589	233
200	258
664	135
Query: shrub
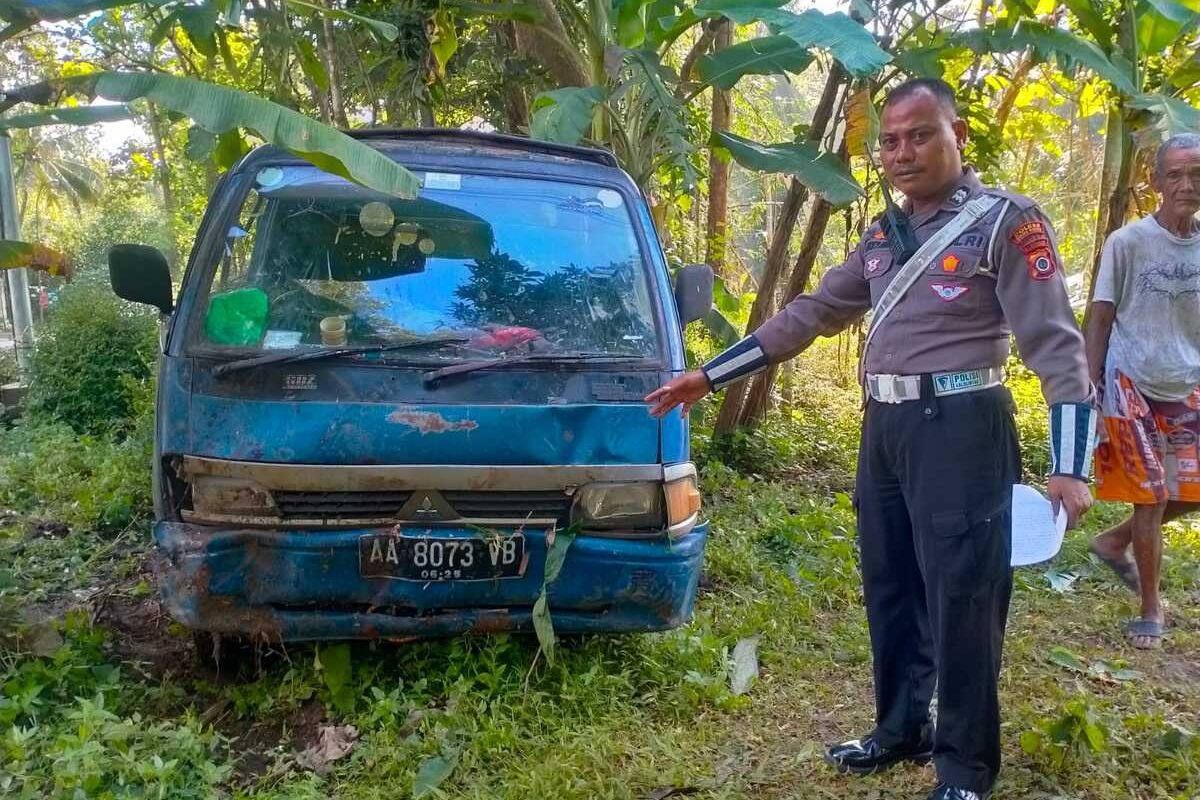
1033	421
90	359
98	482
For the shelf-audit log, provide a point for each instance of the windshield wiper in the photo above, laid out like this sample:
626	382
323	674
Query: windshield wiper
221	370
433	376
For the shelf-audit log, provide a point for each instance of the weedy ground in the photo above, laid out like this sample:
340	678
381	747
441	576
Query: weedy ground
101	696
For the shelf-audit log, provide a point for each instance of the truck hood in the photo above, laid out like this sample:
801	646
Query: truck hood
386	433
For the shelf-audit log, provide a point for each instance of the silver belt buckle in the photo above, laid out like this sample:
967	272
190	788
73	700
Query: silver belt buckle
885	386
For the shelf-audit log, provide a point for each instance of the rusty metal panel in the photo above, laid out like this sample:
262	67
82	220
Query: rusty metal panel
299	585
379	433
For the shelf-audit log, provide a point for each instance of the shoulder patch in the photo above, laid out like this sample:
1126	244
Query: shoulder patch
873	239
1033	240
1042	264
1029	233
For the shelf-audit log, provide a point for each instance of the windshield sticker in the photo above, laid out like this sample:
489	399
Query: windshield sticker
281	340
269	176
443	180
582	205
376	218
299	383
609	198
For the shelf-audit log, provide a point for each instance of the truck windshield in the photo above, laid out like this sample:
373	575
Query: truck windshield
501	265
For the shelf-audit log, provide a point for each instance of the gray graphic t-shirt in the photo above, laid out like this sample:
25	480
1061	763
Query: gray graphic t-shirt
1153	278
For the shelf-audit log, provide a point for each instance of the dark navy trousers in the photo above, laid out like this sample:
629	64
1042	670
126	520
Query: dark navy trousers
934	499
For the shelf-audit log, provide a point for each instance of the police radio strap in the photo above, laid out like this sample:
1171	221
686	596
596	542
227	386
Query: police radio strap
972	212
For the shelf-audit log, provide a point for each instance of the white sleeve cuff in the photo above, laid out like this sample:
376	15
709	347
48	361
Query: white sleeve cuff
1072	438
739	362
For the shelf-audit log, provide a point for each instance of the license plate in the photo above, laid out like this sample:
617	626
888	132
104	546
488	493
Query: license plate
432	558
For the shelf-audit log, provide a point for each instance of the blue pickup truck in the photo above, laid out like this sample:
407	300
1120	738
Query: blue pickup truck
374	412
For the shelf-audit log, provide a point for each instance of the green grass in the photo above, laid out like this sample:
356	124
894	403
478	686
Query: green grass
116	711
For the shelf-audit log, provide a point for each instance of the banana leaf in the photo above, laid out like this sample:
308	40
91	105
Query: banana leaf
821	172
564	115
21	255
218	109
1174	115
71	115
767	55
843	38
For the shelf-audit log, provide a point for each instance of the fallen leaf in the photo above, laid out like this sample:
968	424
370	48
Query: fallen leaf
1061	582
1106	670
333	742
432	772
745	665
1065	658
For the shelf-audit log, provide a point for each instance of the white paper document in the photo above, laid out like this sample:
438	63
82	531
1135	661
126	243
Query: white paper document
1037	534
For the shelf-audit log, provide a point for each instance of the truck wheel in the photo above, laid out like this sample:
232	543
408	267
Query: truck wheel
228	654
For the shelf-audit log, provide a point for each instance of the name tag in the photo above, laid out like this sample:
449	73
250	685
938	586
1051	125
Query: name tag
957	381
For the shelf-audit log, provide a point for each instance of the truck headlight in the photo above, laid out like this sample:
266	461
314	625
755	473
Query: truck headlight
625	506
673	504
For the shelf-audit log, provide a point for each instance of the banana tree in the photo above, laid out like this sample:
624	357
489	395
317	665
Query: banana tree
215	109
636	104
1143	51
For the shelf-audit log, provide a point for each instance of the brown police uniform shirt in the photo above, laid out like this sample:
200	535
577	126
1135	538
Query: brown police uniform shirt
1002	276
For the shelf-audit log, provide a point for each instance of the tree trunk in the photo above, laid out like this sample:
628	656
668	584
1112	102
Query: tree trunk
1118	152
718	169
327	43
549	43
755	407
731	409
708	32
162	172
516	103
426	111
1009	98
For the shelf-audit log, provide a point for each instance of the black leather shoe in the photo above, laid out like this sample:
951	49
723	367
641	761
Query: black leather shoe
945	791
864	756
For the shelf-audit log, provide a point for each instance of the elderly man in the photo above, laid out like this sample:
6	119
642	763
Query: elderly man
939	453
1143	346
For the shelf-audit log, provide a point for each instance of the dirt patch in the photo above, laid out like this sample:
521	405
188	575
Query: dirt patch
44	528
140	631
265	747
1182	671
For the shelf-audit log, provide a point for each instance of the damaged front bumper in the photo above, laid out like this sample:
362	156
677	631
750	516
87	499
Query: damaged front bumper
293	585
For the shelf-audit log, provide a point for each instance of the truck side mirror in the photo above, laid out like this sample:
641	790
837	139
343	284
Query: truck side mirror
693	292
140	274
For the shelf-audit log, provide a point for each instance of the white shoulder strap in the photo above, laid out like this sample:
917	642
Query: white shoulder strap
972	212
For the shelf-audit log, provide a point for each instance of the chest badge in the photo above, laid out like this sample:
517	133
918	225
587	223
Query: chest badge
949	292
950	263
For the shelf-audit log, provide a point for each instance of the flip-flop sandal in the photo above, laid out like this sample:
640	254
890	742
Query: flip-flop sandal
1124	568
1147	628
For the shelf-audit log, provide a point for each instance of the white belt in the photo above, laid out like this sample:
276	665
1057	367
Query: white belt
902	388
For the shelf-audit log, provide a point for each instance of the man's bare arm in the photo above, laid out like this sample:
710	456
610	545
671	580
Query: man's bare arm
1095	337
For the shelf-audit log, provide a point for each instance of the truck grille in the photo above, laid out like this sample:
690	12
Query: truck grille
515	506
340	505
552	504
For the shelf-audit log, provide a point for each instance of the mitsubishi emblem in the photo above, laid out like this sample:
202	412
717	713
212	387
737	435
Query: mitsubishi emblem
427	509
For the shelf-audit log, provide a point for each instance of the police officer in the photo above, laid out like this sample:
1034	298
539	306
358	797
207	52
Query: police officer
939	452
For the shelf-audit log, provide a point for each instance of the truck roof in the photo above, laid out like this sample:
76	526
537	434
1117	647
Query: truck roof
404	144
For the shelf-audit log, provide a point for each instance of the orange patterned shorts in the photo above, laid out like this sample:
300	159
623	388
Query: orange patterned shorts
1149	448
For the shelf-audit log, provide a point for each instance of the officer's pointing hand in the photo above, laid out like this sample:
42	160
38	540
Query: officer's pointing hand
687	389
1070	493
